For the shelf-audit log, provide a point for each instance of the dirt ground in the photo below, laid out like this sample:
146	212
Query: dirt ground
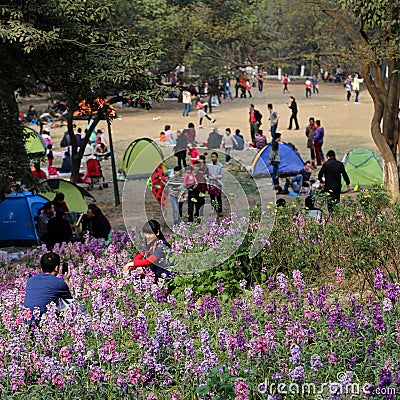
347	125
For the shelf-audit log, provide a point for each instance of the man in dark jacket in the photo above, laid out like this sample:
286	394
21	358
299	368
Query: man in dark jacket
255	122
333	170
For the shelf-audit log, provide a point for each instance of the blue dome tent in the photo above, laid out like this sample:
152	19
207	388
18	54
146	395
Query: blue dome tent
18	213
291	162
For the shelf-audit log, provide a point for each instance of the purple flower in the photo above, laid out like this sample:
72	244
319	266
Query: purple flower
297	374
282	282
380	279
295	352
315	362
258	296
387	304
298	280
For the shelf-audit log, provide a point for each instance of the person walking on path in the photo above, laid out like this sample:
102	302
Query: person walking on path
356	86
227	88
215	175
186	100
348	87
309	85
310	129
274	119
228	142
275	160
200	190
174	186
293	117
200	111
260	79
285	81
314	81
255	118
180	149
318	139
333	171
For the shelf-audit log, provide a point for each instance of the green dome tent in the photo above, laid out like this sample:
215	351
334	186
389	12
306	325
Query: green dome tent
74	194
141	158
363	168
35	145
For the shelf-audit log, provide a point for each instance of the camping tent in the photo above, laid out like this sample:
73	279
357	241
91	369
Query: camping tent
18	213
74	194
363	168
141	158
35	145
291	161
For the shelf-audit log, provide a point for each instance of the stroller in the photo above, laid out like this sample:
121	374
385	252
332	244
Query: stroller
94	174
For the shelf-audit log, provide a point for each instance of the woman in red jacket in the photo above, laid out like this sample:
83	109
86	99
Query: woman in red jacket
153	258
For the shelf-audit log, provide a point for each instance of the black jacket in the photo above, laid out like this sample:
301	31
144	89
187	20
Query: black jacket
59	231
293	107
333	170
97	226
181	143
257	115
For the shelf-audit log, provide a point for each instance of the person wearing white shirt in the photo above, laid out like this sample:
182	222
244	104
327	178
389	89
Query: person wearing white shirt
356	86
228	142
186	100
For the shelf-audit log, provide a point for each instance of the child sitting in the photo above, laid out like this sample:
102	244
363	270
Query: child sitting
261	140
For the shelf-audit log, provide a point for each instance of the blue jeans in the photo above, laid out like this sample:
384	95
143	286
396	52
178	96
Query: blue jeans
186	109
273	131
228	93
176	209
275	173
297	183
357	93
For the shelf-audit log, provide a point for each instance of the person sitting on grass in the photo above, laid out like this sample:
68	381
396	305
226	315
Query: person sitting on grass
45	287
37	172
302	179
66	166
95	223
153	258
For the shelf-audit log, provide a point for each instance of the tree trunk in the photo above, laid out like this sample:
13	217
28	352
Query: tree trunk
383	135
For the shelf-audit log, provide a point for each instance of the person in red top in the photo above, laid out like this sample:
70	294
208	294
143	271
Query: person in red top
59	203
153	258
37	172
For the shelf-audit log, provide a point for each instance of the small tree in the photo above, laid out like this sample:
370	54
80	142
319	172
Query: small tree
373	29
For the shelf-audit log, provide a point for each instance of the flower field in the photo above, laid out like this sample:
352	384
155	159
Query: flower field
278	338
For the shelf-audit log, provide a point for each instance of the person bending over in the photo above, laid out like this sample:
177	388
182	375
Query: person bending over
153	258
45	287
